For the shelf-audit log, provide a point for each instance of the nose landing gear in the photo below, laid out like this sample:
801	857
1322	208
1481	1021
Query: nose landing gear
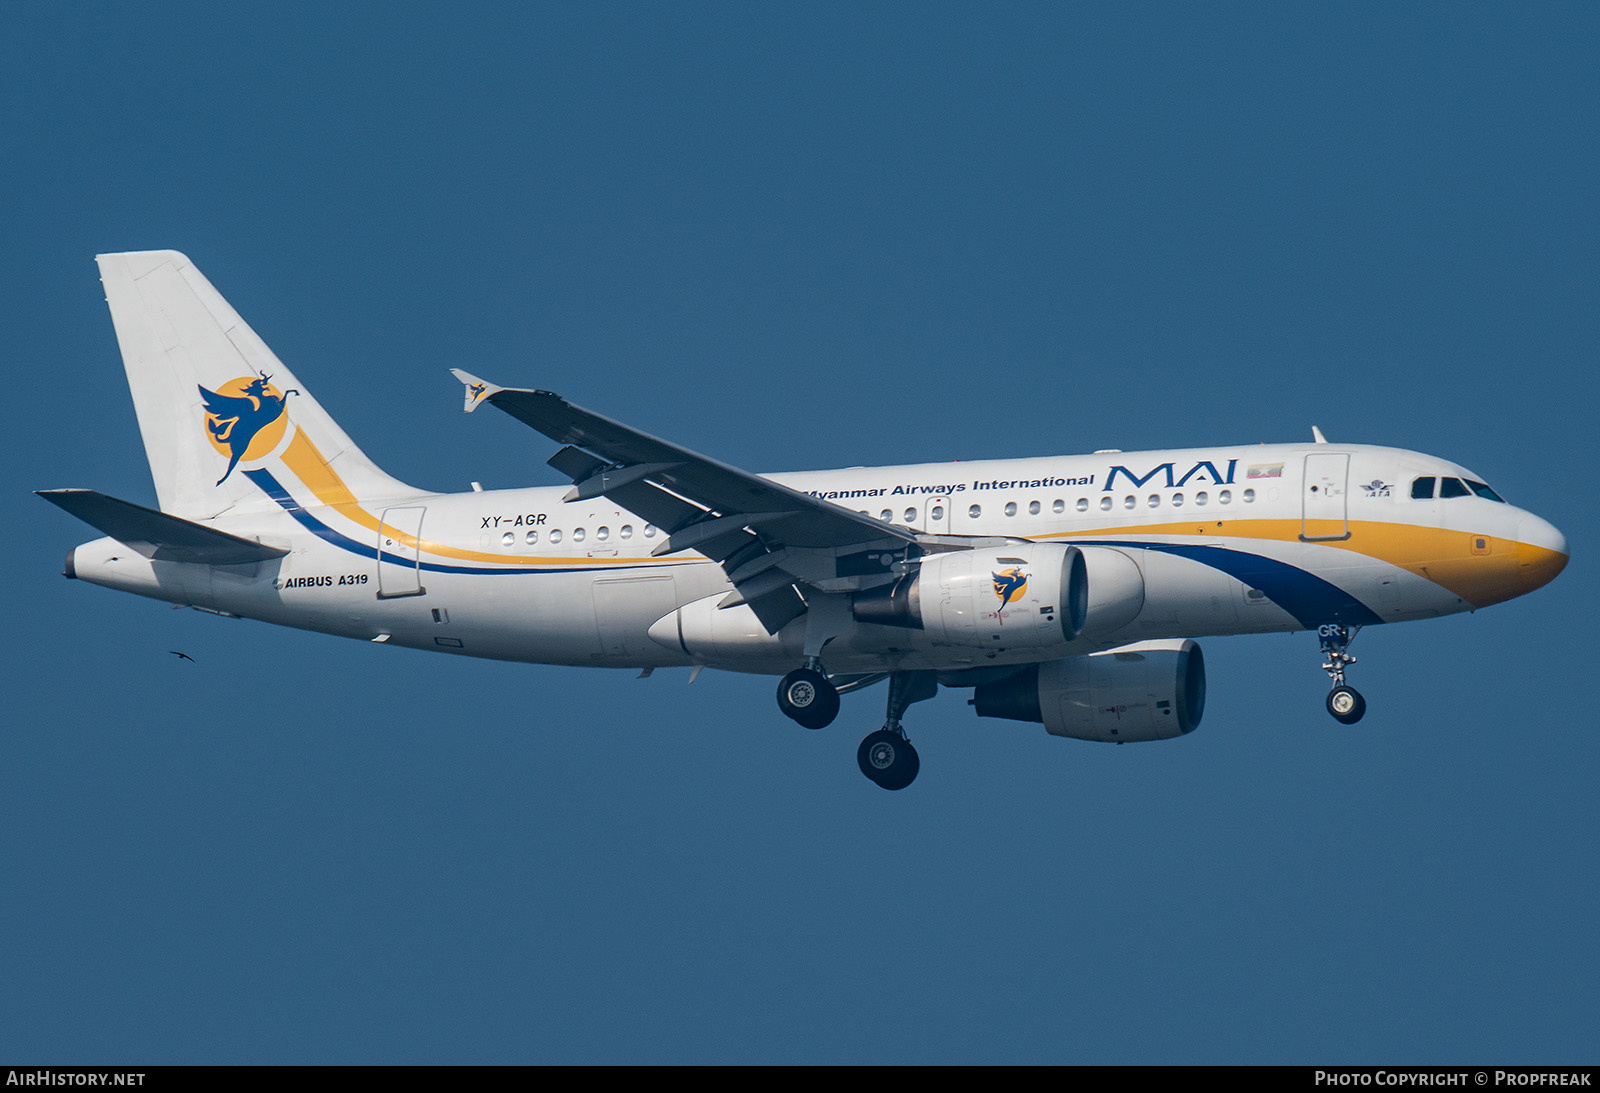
1344	701
1346	704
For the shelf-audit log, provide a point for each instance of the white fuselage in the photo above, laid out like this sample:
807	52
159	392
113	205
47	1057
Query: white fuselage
1228	540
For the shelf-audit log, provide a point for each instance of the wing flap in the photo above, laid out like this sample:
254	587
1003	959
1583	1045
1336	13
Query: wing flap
741	520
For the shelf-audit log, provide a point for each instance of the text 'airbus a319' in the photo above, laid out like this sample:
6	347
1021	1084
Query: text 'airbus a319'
1062	590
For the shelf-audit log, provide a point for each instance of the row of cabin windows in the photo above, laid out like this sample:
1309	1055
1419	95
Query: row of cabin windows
912	515
1129	501
601	534
1423	489
1155	500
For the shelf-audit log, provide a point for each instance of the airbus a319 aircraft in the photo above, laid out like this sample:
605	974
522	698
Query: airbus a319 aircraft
1062	590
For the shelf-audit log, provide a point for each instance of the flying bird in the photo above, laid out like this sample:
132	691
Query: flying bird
185	656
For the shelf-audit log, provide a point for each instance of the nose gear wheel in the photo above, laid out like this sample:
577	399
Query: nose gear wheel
1344	701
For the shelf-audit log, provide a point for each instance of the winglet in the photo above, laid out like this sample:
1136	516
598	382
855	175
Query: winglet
1316	435
478	390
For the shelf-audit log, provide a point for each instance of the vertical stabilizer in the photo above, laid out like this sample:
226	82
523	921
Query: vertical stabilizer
217	409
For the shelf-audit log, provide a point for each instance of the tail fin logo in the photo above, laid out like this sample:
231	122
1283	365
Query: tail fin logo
245	418
1009	584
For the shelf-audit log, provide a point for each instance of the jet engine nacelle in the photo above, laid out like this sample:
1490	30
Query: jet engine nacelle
1116	591
1152	690
1018	596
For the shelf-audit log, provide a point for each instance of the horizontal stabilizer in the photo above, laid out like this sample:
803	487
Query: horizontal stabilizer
158	535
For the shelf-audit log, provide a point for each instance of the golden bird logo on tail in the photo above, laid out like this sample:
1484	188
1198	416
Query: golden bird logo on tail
244	418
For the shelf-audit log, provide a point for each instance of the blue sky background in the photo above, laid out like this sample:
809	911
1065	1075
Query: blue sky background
805	236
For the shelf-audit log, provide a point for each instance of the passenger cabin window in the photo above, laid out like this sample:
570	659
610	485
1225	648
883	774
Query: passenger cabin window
1033	508
1422	489
1011	508
1452	487
975	511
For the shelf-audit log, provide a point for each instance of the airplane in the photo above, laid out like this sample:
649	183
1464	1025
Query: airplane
1065	591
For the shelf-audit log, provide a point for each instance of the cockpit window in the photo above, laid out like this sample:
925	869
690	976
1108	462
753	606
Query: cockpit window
1422	489
1452	487
1484	491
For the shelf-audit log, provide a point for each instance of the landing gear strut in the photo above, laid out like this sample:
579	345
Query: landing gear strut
1344	701
806	696
886	756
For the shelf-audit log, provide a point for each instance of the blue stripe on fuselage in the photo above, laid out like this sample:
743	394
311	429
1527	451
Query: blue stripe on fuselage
271	487
1310	599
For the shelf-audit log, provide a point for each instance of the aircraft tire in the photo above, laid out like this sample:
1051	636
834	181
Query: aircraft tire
888	759
1346	704
806	697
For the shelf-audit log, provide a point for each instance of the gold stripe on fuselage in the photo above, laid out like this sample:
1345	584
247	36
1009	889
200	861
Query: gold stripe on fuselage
306	461
1481	569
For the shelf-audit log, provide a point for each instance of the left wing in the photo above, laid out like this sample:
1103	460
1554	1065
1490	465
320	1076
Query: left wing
768	537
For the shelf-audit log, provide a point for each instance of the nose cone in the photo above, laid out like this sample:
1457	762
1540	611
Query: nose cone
1541	552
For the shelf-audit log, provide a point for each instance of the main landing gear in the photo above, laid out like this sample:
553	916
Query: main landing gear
886	756
1344	701
807	697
